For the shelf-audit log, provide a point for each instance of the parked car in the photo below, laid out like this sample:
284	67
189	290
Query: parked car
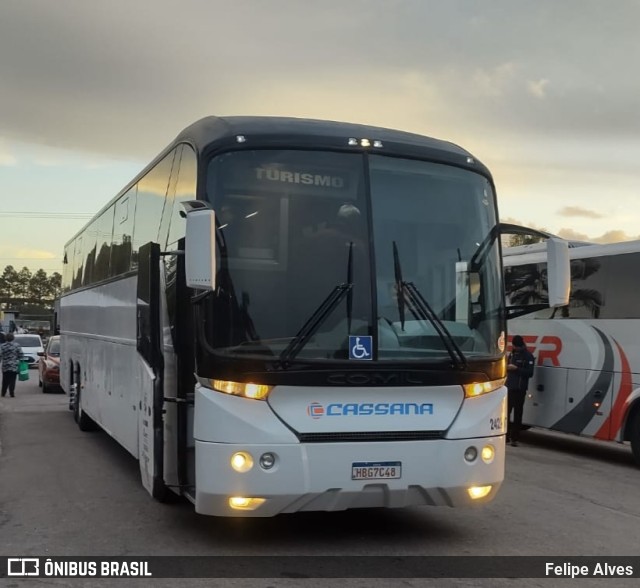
49	366
31	348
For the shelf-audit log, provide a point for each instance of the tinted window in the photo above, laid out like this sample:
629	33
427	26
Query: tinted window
152	193
123	233
78	263
67	269
89	252
283	248
104	234
527	285
587	289
185	190
622	286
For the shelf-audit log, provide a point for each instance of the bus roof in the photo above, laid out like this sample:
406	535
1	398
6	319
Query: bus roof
286	132
213	129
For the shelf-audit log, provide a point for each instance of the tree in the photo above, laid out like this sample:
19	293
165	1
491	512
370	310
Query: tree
39	288
55	285
21	286
7	283
24	290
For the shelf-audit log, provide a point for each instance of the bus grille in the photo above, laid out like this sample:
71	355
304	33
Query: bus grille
370	437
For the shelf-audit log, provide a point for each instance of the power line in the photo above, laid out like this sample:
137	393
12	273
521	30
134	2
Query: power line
57	215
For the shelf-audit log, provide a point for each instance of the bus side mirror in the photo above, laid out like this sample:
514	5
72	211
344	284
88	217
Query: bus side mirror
558	272
200	243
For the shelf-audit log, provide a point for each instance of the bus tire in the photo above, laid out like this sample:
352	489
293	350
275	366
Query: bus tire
634	435
85	422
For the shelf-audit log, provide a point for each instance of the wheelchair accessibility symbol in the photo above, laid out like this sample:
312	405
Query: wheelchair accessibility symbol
360	347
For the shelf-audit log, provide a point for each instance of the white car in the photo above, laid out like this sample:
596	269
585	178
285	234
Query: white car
31	346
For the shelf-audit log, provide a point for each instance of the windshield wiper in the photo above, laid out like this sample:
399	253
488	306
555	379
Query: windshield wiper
314	322
421	309
322	312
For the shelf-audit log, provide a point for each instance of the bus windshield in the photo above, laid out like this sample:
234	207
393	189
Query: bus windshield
356	233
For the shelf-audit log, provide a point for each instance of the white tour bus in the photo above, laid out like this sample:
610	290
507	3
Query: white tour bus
282	315
587	377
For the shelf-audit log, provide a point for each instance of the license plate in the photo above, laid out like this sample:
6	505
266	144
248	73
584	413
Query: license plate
376	470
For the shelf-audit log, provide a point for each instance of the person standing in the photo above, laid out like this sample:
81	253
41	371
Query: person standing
10	354
519	370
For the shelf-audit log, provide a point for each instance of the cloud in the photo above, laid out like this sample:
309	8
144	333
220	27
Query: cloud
494	82
530	225
613	236
20	253
6	157
537	88
578	211
72	83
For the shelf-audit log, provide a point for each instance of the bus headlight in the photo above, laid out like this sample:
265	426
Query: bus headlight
488	453
480	388
247	390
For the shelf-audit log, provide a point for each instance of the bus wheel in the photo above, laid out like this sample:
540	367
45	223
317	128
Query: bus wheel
85	422
634	435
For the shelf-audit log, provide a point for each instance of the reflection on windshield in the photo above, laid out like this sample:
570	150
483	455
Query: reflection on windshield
294	225
437	216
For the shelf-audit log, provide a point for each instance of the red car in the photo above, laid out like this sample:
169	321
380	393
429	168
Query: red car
49	366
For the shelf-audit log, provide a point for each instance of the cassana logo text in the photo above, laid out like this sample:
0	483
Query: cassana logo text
316	410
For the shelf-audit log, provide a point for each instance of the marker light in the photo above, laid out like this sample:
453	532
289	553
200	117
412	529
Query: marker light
470	160
488	453
476	492
267	461
245	503
249	390
240	138
241	462
365	143
353	141
480	388
377	144
470	453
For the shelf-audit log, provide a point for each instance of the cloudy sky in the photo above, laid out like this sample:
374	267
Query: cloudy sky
544	92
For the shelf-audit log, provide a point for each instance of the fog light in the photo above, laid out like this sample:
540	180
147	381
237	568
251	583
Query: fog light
245	503
470	454
488	453
267	461
478	491
241	462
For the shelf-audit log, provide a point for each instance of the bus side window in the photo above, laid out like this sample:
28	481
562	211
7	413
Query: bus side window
122	233
153	190
185	190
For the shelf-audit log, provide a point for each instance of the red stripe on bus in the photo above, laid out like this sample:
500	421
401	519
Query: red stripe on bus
614	420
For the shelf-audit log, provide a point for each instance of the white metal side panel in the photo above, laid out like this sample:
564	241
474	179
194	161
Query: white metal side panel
98	334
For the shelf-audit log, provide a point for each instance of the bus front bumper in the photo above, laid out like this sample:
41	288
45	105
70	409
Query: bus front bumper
318	476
